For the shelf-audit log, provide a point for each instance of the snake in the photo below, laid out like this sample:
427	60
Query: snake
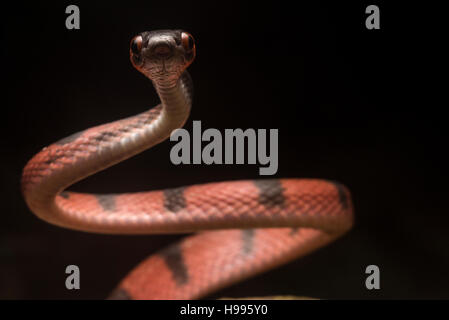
236	229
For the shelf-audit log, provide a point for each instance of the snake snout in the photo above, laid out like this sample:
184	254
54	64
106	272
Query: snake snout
162	50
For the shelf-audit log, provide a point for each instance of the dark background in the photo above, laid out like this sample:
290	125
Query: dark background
338	93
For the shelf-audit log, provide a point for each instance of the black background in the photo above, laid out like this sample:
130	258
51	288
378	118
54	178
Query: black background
338	93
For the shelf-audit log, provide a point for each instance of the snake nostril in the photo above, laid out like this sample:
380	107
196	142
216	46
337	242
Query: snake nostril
162	50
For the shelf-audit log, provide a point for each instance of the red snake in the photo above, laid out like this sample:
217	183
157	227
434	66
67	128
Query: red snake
243	227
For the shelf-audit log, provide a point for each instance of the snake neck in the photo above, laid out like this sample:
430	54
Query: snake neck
176	100
73	158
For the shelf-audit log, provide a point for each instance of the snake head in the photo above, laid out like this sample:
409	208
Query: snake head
162	55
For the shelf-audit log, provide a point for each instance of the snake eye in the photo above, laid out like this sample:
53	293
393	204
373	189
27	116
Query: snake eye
136	44
187	41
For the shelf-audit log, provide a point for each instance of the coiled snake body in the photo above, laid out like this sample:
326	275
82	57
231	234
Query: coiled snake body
244	227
